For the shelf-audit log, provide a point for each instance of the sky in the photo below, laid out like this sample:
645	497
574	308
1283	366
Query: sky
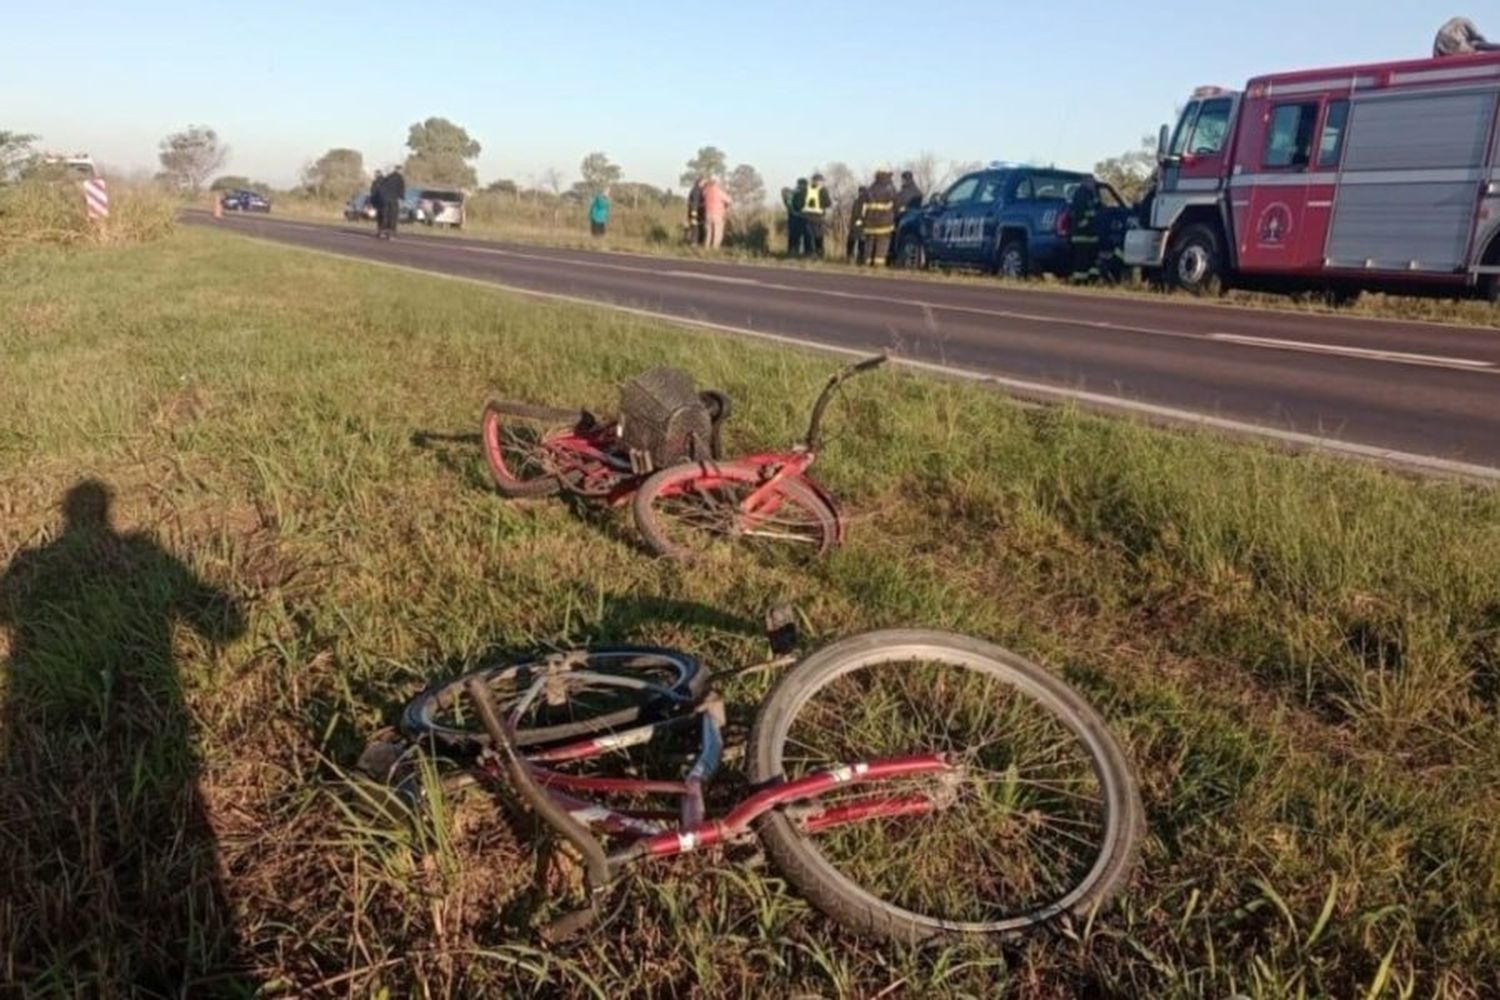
782	86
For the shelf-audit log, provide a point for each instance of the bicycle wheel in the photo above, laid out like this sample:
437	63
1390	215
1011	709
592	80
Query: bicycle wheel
442	713
515	437
1039	819
688	510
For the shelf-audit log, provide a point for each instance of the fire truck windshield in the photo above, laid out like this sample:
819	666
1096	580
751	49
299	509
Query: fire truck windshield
1203	128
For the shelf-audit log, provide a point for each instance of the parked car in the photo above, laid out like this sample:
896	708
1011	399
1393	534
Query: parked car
359	207
1016	221
245	201
434	206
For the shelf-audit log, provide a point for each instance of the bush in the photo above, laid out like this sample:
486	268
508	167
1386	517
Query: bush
40	211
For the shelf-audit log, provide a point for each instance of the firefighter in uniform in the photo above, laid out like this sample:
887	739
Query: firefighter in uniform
854	246
877	219
1085	239
813	205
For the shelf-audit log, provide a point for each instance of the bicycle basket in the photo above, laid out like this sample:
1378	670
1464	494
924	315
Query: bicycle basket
662	420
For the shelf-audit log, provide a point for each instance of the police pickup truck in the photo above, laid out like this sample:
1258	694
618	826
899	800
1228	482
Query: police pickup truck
1015	221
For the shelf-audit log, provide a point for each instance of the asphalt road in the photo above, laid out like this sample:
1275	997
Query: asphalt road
1420	395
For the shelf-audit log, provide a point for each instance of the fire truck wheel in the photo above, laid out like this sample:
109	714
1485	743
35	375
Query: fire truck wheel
1196	263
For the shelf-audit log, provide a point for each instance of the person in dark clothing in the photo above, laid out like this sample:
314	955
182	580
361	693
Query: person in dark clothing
1085	239
813	205
854	246
796	225
877	219
697	225
910	197
392	189
375	195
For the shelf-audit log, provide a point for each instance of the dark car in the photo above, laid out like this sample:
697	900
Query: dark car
245	201
1011	220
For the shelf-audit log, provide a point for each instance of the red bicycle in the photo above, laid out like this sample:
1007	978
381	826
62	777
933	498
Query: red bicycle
682	508
910	784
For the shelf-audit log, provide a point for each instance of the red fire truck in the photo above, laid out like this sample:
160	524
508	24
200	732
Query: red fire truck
1358	177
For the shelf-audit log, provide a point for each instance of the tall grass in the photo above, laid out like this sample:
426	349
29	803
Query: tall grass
53	212
1302	656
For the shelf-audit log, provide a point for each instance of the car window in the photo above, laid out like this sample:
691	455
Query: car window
992	189
962	192
1054	186
1024	190
1290	135
1331	146
1110	197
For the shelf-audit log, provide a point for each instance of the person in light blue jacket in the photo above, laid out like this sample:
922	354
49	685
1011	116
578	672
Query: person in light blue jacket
599	213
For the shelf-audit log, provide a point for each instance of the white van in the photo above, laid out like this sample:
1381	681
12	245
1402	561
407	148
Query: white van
437	206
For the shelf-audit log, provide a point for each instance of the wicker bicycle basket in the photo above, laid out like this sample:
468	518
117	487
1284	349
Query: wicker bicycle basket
662	419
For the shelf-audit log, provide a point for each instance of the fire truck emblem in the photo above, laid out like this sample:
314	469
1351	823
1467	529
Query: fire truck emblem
1275	225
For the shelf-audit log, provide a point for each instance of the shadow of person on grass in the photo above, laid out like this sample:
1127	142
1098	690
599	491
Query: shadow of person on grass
108	871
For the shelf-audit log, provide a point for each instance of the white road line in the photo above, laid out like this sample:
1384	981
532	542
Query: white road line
1410	461
1400	357
722	278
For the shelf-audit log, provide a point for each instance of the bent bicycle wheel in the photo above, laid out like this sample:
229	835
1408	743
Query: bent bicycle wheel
515	446
663	680
1039	817
687	511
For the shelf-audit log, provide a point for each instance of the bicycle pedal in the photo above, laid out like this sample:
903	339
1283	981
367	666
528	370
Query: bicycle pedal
781	629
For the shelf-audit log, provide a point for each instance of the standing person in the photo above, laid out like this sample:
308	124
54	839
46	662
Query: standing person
716	202
1085	240
854	244
877	219
375	196
392	192
1460	37
788	198
796	225
599	214
910	197
813	206
695	225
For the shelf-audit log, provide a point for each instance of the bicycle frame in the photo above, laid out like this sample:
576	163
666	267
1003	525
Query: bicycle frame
656	833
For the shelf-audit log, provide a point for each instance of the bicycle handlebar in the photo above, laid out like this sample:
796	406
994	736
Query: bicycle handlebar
834	381
596	863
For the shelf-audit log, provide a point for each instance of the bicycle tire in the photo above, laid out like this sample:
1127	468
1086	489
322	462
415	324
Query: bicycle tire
516	483
731	479
797	856
686	678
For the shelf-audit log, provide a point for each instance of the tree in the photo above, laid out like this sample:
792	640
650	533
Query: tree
746	187
338	173
957	169
552	179
231	182
15	152
598	173
710	162
841	183
1130	172
440	154
635	192
503	186
190	156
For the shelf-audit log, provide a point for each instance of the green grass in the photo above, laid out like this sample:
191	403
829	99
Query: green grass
1303	656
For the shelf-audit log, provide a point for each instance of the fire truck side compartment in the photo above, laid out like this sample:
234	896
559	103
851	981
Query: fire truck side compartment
1414	167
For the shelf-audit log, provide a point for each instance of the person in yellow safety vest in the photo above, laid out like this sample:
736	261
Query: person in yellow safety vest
813	205
877	219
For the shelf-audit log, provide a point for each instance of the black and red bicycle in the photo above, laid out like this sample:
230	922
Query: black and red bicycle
663	456
910	784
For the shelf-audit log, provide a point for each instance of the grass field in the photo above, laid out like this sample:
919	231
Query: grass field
1303	656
